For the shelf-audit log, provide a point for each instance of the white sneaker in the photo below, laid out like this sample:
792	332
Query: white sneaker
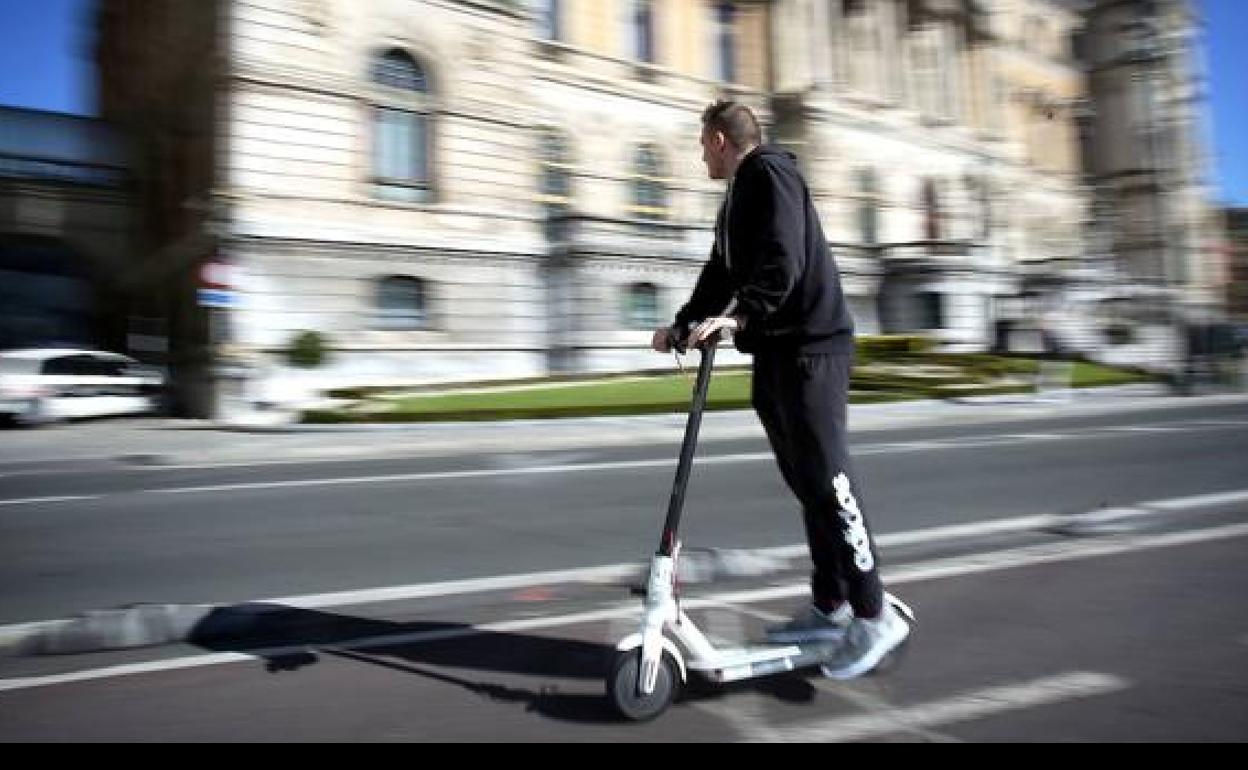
866	643
813	625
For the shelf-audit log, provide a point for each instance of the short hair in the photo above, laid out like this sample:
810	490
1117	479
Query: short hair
735	121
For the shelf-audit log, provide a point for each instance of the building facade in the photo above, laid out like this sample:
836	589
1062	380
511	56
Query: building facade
1148	146
1236	251
475	189
67	267
940	140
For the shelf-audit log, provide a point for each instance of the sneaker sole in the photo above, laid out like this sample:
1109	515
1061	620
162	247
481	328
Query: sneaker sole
834	636
867	662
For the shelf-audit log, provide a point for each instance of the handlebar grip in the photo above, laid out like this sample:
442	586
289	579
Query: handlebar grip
678	339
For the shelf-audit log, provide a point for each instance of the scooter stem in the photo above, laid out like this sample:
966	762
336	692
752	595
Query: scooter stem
677	502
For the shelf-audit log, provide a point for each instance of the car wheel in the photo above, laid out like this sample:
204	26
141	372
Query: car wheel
37	413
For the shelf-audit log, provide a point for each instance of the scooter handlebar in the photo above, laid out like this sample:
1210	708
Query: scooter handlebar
678	338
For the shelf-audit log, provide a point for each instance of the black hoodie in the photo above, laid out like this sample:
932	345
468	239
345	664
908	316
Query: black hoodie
777	266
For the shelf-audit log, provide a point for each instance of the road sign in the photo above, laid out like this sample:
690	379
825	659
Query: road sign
217	298
216	275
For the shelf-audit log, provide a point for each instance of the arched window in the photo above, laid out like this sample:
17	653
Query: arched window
649	184
401	128
641	306
402	303
396	69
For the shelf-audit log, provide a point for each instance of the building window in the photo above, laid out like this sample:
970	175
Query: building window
400	116
546	17
1145	120
649	185
641	306
396	69
640	29
724	25
997	105
862	32
1035	36
931	211
931	310
555	185
402	303
929	72
554	180
1080	51
868	207
981	202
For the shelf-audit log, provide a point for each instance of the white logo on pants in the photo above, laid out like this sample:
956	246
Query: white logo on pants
856	536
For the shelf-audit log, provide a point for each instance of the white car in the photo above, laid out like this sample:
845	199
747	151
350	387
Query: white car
40	385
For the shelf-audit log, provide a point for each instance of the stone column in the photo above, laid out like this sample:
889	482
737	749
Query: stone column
820	37
838	41
790	44
890	49
952	45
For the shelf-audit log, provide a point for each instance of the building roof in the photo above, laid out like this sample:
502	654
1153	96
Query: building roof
53	145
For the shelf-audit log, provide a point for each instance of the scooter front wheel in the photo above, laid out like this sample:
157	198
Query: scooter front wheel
626	697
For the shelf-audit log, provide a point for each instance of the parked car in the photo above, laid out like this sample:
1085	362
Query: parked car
39	385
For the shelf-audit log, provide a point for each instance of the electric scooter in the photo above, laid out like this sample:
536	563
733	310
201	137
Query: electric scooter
650	667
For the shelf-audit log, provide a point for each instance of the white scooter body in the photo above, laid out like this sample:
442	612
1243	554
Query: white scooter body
642	686
669	629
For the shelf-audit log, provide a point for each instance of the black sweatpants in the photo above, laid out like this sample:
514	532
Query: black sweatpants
801	401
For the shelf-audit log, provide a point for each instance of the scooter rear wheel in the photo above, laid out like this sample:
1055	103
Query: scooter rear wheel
624	694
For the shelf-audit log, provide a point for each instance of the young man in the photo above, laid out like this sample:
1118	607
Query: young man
770	263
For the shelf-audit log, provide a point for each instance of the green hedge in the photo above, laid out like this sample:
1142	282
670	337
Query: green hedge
308	349
970	375
891	345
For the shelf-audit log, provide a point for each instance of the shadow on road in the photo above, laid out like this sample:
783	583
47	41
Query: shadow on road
289	638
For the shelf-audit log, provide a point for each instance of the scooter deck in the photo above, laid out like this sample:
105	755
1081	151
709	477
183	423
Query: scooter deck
761	660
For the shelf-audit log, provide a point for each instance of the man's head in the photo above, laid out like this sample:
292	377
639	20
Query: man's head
729	131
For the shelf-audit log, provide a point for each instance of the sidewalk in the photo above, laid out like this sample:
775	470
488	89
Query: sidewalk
200	442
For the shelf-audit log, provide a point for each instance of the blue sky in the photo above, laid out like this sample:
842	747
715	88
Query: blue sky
1227	53
45	63
45	55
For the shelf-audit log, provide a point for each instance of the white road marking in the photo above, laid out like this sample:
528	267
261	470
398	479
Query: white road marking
934	570
966	707
60	499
